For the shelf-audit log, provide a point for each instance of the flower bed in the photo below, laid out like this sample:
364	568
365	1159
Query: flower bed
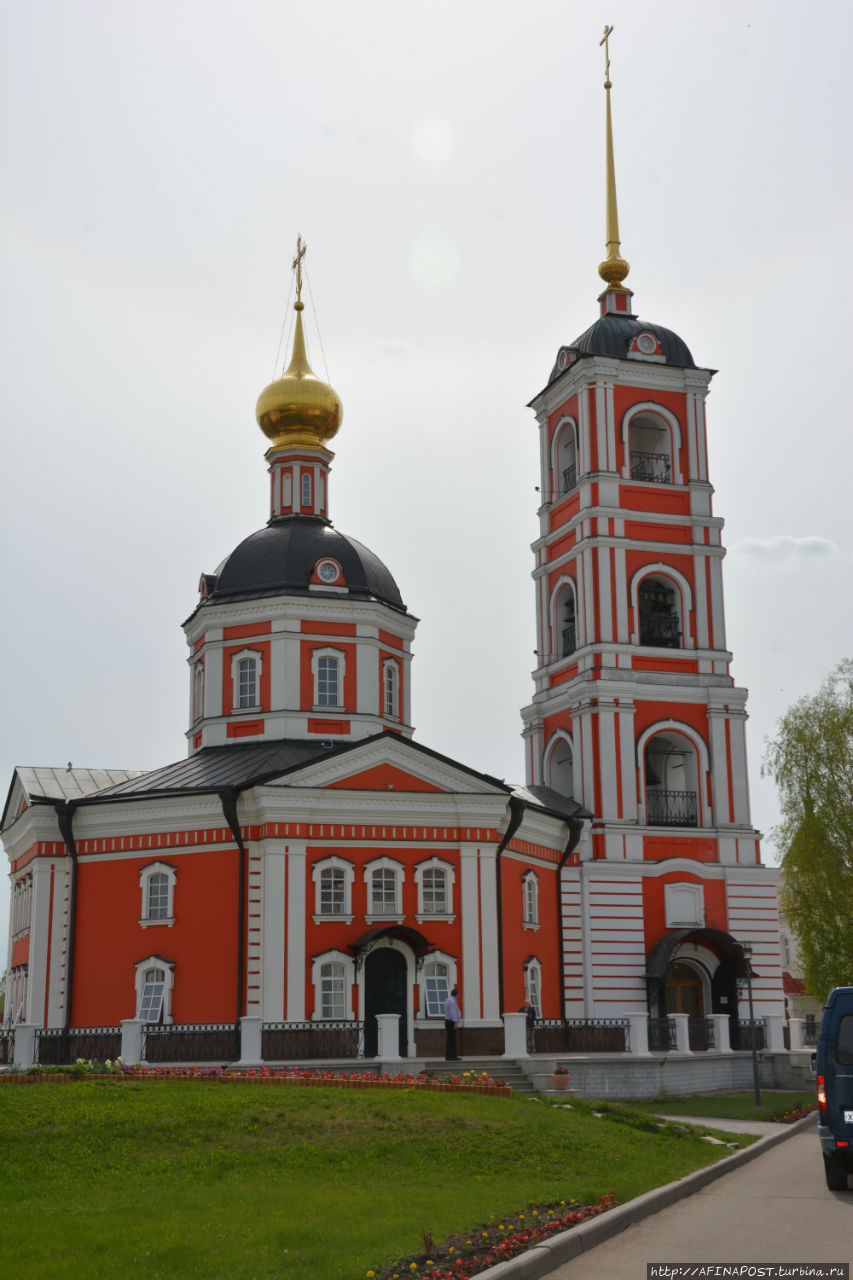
466	1255
788	1117
465	1082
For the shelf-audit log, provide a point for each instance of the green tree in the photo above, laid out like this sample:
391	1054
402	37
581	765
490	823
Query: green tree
811	761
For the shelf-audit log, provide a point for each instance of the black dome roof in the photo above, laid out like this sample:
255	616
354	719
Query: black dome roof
280	559
611	335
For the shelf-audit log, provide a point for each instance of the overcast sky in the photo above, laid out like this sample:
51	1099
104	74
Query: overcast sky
445	164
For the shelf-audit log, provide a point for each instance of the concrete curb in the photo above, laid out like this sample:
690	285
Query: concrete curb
542	1259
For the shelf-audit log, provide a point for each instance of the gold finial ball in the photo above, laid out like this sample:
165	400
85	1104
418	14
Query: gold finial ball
613	271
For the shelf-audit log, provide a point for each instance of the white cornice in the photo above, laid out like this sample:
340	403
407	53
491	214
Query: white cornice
295	609
589	370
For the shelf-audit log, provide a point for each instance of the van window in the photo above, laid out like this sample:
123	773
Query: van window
844	1047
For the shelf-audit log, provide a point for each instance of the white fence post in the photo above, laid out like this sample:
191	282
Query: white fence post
796	1027
722	1039
515	1035
638	1035
25	1044
250	1041
131	1041
389	1036
774	1032
682	1032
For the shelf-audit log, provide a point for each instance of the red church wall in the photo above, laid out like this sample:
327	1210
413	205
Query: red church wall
520	943
383	777
202	943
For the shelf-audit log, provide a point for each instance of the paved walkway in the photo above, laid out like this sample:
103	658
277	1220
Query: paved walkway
771	1205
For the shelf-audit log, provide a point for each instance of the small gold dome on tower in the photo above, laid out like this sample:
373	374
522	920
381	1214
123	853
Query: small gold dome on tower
298	408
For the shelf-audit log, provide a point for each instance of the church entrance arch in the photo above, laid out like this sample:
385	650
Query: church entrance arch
385	991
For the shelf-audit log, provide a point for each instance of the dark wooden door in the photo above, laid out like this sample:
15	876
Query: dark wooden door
384	992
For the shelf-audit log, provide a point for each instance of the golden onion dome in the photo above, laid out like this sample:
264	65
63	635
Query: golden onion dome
298	408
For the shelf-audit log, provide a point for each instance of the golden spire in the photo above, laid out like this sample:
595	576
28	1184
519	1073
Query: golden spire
614	268
298	408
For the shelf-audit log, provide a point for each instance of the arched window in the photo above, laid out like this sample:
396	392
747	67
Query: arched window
659	616
154	981
530	896
567	623
157	882
306	488
198	691
650	449
672	781
533	984
565	460
333	880
327	666
390	689
559	767
246	679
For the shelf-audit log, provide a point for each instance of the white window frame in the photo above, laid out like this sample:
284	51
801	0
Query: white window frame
391	689
341	658
530	900
435	864
449	962
533	984
348	872
198	692
385	917
317	964
236	659
684	904
168	969
145	876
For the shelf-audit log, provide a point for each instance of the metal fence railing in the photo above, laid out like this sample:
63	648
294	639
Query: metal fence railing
811	1030
700	1034
190	1042
662	1037
62	1046
741	1034
582	1035
281	1041
7	1046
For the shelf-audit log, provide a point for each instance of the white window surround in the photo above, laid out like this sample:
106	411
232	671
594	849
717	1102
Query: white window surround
667	421
435	864
347	871
317	965
236	659
683	594
146	875
556	617
533	984
449	963
386	914
566	428
530	900
669	727
168	970
684	904
341	658
391	689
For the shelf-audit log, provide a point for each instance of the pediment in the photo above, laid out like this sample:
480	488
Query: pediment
390	763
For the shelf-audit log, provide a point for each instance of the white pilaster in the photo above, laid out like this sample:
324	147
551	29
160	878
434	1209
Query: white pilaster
295	935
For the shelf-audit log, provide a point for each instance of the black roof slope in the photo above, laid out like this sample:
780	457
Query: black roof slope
280	558
612	335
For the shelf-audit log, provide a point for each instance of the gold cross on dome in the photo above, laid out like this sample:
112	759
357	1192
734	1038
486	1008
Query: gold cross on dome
604	41
297	265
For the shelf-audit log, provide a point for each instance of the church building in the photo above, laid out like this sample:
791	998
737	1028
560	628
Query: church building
308	866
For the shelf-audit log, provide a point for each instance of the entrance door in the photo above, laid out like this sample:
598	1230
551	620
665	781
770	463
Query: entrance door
384	992
684	991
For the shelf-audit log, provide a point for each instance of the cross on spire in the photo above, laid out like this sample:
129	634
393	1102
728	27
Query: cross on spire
297	265
604	41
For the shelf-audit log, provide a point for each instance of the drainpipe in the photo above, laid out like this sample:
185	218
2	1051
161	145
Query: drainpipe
575	829
516	813
64	815
228	800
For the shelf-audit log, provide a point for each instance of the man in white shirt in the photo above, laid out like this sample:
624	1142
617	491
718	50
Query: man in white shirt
452	1018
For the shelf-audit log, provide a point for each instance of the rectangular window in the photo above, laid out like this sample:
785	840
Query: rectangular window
435	892
151	1004
247	692
332	992
437	988
390	690
158	897
533	990
327	682
383	887
332	892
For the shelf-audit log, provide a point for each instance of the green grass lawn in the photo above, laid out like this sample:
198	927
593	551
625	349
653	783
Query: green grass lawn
122	1178
729	1106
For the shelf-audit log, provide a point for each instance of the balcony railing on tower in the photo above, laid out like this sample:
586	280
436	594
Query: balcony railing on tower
569	639
650	466
671	808
570	478
661	629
